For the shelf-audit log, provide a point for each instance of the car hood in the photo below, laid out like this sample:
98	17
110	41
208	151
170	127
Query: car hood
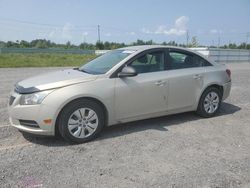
53	80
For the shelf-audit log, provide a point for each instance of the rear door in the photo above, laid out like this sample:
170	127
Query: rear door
185	78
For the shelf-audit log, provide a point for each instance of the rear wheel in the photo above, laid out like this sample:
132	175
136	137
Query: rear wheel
81	121
210	102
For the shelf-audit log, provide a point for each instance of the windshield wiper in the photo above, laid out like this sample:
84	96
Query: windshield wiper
82	70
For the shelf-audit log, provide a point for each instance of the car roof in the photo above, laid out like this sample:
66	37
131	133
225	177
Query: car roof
142	47
148	47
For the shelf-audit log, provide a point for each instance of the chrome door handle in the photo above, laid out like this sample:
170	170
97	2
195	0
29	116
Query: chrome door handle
197	76
160	83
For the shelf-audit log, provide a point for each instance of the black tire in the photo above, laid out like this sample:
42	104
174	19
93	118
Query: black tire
67	112
201	109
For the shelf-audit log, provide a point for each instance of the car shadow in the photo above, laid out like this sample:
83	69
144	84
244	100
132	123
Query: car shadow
160	124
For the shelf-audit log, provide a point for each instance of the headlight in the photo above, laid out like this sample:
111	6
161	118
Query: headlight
34	98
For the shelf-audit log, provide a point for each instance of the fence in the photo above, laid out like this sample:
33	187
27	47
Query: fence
216	54
225	55
46	50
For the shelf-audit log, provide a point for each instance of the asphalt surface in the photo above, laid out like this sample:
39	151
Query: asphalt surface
181	150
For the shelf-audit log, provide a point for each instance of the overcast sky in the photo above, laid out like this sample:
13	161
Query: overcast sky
212	21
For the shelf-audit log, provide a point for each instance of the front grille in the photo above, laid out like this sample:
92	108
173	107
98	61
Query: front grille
11	100
28	123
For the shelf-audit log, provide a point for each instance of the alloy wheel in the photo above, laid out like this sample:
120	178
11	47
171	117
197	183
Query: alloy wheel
211	102
83	123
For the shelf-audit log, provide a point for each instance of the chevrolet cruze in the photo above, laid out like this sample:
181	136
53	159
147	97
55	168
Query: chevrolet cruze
120	86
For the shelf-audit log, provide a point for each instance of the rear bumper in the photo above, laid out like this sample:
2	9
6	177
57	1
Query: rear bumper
226	90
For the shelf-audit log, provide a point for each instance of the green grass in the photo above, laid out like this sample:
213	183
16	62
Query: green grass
44	60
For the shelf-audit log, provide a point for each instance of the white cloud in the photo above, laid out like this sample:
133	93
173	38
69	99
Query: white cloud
84	34
131	33
147	31
108	34
181	22
215	31
41	35
67	31
179	28
63	33
52	34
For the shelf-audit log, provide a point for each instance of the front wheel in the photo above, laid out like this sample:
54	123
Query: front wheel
81	121
210	102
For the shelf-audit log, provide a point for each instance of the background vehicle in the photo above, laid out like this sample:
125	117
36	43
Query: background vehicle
123	85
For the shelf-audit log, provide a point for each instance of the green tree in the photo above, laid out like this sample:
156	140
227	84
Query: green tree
24	44
68	45
41	44
2	44
232	46
194	42
99	45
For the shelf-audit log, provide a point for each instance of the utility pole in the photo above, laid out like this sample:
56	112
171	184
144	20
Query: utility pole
218	46
98	30
187	37
84	39
248	34
84	42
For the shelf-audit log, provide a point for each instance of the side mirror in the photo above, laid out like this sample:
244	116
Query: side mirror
127	72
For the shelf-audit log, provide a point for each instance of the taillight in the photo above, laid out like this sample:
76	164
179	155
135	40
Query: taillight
228	73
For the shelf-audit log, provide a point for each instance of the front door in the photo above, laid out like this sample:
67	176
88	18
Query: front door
145	93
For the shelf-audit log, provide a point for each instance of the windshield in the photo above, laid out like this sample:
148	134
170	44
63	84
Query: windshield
104	63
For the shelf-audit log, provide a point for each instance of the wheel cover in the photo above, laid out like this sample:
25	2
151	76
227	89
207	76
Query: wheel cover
211	102
83	123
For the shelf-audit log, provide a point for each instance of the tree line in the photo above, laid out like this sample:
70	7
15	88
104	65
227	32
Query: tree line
43	43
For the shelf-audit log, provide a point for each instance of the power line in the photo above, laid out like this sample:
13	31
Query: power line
9	21
115	29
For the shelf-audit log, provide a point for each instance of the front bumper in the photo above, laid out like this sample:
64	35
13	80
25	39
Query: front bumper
36	113
226	90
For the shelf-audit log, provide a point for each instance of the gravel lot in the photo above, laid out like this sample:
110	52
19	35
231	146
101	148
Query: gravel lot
181	150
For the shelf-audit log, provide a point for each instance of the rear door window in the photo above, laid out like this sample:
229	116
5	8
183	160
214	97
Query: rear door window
183	60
